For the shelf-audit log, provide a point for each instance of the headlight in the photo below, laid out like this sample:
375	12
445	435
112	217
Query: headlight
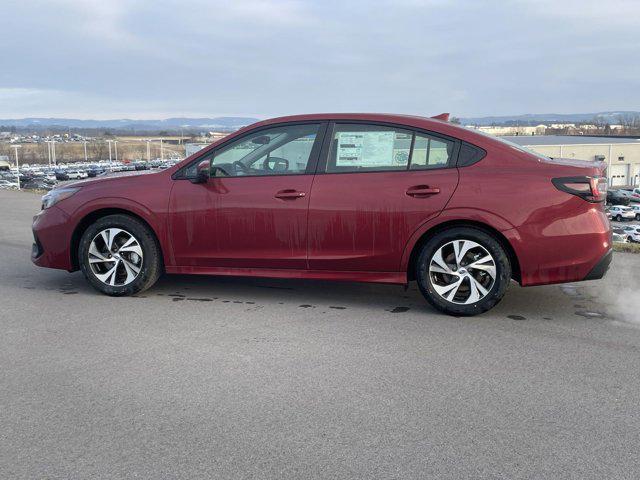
57	195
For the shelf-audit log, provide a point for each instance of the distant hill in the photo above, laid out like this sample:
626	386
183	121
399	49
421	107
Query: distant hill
216	123
536	118
234	123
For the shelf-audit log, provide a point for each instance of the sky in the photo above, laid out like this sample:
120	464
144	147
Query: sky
148	59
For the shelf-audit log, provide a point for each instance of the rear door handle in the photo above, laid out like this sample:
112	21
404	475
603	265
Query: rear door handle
290	194
422	191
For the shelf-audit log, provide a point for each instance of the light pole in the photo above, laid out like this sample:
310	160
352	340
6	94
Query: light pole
53	151
109	142
16	147
85	151
161	151
115	144
49	152
148	150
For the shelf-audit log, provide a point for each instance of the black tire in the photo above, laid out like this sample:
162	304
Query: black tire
619	218
485	240
151	262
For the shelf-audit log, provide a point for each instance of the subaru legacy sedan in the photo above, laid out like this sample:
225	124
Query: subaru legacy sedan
353	197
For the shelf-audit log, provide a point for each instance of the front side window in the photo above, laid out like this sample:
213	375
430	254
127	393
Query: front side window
363	148
282	150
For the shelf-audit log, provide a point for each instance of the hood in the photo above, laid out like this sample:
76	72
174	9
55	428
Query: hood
109	177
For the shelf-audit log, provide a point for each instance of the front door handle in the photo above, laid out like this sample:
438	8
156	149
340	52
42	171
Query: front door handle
290	194
422	191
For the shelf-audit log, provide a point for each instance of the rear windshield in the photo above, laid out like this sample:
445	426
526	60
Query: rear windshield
510	144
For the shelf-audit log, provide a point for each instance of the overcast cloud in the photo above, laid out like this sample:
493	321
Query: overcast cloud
153	59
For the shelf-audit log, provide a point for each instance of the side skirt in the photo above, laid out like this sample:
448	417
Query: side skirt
398	278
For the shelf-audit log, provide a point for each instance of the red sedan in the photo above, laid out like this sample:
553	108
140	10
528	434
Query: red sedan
357	197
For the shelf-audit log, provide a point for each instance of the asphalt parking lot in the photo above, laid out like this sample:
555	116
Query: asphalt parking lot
244	378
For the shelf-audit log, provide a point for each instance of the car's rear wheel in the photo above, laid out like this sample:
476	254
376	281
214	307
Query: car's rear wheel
619	218
463	271
119	255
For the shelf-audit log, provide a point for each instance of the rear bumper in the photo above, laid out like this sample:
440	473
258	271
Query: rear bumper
561	250
51	239
600	268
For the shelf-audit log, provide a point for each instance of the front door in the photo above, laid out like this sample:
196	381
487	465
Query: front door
252	213
378	185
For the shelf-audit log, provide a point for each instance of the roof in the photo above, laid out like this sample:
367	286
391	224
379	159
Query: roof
569	139
408	121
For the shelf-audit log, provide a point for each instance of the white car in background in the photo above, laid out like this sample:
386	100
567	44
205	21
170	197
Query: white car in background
76	174
633	233
636	210
8	184
620	212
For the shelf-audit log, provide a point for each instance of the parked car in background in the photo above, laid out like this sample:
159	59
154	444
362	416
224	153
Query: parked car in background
614	197
76	174
94	172
61	175
633	232
607	212
636	210
628	193
38	184
8	184
632	193
620	236
352	197
622	212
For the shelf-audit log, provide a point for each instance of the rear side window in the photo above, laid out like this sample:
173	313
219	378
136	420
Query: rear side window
469	154
430	152
371	148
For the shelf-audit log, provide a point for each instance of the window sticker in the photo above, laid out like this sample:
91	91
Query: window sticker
365	149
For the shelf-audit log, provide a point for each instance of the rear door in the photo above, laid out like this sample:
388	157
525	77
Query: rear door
375	185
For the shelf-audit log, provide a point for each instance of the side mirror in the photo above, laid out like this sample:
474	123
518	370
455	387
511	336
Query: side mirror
261	140
202	172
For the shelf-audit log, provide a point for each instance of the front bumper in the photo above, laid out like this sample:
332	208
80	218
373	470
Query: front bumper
52	238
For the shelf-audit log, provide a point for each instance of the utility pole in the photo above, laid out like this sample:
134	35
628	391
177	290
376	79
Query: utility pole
115	144
16	147
161	151
49	152
53	152
85	151
148	150
109	142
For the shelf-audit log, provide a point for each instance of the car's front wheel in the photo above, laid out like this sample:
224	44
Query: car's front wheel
463	271
119	255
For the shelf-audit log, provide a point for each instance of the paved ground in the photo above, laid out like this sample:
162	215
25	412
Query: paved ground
236	378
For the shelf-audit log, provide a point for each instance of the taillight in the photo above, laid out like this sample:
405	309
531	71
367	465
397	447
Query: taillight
591	189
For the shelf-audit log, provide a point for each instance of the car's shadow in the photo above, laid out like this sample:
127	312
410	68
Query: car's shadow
518	303
546	302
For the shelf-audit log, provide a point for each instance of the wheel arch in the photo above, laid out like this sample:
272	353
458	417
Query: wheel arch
95	215
499	236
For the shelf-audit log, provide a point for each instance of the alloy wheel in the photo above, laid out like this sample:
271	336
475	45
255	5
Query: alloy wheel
462	271
115	257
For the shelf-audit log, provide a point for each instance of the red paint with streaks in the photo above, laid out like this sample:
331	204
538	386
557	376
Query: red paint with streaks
346	226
